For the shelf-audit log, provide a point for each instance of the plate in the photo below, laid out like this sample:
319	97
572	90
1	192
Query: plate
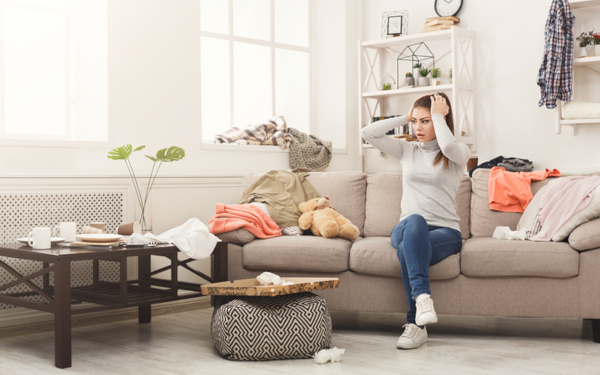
99	237
53	240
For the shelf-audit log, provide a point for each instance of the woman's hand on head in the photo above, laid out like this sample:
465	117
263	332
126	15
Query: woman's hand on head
409	115
439	105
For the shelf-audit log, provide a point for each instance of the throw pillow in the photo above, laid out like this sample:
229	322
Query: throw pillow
591	212
239	236
530	220
586	236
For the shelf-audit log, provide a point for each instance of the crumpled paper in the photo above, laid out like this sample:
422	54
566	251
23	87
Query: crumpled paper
505	232
268	278
326	355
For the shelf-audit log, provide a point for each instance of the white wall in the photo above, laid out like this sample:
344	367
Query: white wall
509	49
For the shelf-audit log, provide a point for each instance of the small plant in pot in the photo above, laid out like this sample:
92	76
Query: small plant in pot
596	41
585	43
423	79
450	75
436	75
409	80
416	66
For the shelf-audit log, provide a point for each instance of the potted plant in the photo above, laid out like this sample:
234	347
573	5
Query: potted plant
585	43
450	75
166	155
388	81
423	79
409	80
436	76
596	39
416	66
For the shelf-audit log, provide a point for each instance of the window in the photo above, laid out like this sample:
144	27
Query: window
54	70
255	63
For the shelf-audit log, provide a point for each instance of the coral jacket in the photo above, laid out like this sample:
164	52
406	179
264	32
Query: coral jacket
511	191
247	216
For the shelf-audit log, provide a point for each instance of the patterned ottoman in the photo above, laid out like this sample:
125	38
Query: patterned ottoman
263	328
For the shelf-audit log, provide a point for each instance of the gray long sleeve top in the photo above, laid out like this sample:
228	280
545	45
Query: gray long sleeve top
428	190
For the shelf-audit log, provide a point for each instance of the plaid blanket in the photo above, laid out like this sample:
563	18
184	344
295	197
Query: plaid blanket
272	132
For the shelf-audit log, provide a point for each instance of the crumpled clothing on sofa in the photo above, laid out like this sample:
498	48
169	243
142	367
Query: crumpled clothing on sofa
510	164
282	191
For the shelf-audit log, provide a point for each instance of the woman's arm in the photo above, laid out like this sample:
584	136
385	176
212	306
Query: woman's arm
375	134
451	148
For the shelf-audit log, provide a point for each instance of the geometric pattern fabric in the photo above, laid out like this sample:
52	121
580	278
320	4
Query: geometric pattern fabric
266	328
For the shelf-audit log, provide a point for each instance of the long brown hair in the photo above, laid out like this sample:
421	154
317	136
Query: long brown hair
425	102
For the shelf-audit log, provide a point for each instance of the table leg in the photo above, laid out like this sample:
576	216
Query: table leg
144	269
62	313
218	266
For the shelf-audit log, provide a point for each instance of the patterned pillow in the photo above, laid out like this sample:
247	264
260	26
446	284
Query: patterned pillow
531	217
263	328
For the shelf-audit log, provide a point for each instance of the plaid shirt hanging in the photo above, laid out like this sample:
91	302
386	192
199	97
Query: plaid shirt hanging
555	77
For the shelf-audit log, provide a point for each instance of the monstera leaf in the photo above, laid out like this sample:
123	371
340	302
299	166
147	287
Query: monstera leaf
123	152
167	155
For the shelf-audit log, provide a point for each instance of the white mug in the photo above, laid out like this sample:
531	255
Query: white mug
67	230
41	238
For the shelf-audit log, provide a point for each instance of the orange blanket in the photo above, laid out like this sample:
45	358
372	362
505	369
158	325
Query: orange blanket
247	216
511	191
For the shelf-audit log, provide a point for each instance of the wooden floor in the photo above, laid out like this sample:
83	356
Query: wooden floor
181	344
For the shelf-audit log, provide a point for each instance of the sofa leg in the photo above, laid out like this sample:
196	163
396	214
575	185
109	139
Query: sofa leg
596	330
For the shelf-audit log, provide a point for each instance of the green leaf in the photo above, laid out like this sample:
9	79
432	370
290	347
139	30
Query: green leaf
140	148
173	153
120	153
151	158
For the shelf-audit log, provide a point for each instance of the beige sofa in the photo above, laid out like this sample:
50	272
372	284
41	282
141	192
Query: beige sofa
490	277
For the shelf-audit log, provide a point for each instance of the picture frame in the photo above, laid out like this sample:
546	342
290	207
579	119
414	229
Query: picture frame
394	23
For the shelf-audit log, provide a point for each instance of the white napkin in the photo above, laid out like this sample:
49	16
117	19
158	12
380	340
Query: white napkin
505	232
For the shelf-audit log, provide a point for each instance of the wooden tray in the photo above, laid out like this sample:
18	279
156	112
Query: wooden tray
251	287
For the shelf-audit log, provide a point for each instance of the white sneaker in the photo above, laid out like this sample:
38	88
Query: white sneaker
412	338
425	312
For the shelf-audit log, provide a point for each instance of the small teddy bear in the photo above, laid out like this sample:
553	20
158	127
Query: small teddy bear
324	220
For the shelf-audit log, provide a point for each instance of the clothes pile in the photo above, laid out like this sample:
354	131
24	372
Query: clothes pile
510	164
511	191
306	151
268	208
272	132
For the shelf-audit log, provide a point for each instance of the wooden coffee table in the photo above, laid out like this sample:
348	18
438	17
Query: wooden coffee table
104	295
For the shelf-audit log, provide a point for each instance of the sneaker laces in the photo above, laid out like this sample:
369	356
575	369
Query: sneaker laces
410	331
425	305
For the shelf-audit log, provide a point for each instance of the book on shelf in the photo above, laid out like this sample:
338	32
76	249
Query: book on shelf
436	28
445	18
439	22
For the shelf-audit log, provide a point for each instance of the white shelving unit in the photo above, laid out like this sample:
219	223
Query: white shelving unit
373	57
591	63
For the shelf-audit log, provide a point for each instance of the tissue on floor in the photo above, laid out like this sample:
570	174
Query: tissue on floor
326	355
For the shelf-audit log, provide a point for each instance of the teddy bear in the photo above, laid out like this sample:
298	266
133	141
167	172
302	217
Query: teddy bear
324	220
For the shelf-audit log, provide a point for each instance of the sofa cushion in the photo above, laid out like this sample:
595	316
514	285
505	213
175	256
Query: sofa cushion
384	195
483	220
238	236
586	236
377	256
297	253
346	192
490	257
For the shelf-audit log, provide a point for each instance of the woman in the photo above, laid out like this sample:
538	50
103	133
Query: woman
429	230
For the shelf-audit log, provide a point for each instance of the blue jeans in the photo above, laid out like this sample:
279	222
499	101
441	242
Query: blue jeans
419	246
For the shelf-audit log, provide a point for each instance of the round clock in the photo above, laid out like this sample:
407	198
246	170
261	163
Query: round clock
447	7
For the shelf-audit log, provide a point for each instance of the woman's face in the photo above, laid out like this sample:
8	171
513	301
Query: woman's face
422	124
